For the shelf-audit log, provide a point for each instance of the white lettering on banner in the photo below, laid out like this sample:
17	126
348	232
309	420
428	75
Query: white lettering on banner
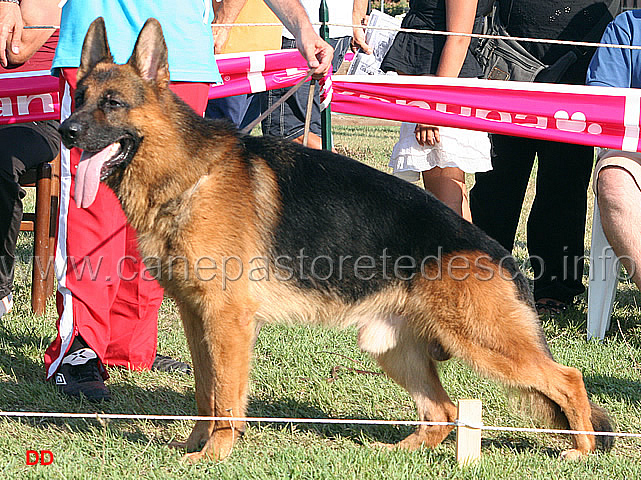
24	101
23	104
575	123
6	107
413	103
369	97
483	114
541	122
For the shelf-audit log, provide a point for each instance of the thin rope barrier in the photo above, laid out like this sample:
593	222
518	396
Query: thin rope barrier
328	421
425	32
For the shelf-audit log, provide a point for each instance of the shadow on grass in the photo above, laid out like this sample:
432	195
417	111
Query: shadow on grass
519	444
359	434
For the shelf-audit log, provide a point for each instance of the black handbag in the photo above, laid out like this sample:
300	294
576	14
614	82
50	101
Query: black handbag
506	59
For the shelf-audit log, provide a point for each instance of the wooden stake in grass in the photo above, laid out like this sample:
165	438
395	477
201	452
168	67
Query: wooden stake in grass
468	440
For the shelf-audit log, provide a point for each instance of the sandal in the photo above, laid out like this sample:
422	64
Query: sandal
550	307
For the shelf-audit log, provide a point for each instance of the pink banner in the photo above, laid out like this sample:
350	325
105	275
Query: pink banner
258	72
28	99
605	117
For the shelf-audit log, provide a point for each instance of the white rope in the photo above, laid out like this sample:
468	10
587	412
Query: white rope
329	421
425	32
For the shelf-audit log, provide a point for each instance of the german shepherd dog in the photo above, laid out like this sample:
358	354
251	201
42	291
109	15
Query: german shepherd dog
271	231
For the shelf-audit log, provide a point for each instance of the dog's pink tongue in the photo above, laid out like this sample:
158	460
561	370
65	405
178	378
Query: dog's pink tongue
88	174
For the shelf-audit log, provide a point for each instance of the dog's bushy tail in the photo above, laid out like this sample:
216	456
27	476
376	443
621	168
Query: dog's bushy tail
549	413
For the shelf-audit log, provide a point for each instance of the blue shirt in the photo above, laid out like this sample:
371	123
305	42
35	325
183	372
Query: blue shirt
186	26
618	67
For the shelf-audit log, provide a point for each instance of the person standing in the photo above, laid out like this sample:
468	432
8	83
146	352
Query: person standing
442	154
288	120
242	109
617	174
107	303
556	223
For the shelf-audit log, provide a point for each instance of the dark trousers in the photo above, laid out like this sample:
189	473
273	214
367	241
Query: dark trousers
241	110
23	146
556	224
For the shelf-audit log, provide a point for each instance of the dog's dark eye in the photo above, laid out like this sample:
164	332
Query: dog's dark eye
112	103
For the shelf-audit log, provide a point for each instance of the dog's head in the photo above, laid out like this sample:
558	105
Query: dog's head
108	102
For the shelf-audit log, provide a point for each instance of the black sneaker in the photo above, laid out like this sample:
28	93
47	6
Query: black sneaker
79	373
168	364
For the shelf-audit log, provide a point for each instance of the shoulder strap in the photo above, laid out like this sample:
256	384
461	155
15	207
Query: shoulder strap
594	35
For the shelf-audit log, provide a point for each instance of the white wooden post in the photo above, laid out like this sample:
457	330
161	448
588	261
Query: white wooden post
468	440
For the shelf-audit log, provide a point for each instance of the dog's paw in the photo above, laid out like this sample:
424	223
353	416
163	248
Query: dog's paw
193	457
572	455
386	446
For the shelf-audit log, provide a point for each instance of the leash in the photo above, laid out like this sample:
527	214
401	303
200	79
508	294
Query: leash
308	112
291	92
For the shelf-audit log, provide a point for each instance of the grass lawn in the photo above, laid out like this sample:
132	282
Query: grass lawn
308	372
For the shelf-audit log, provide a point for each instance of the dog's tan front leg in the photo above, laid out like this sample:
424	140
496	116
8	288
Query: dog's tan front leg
221	357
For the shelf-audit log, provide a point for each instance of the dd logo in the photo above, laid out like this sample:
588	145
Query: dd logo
43	457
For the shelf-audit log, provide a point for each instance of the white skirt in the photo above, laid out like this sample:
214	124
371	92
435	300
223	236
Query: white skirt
468	150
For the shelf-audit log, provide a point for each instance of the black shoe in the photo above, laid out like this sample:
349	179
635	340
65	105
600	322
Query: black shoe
79	373
168	364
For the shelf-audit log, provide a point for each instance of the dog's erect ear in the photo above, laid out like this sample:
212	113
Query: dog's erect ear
149	58
95	48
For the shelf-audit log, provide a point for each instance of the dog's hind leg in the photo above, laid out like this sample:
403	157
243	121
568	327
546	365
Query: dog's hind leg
497	333
411	366
220	350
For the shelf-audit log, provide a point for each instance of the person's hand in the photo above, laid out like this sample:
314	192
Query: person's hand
427	134
358	39
316	51
10	30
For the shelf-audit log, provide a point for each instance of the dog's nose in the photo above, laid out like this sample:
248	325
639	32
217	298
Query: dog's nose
70	130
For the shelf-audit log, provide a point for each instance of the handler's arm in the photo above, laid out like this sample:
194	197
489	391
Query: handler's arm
226	11
16	44
314	49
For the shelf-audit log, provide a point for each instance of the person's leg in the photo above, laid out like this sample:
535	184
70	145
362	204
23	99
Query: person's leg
24	147
231	108
619	197
97	303
448	185
253	109
497	196
556	225
90	246
133	315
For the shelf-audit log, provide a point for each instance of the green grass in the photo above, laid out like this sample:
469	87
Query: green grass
293	377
